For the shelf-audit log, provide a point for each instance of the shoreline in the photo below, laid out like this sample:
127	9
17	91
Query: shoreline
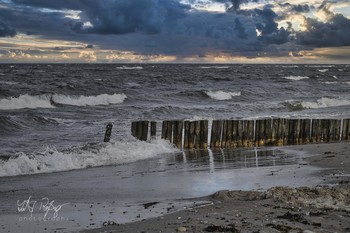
324	208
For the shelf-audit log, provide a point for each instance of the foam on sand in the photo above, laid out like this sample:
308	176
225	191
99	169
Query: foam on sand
52	160
222	95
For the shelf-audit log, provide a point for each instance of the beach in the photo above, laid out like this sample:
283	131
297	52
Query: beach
324	207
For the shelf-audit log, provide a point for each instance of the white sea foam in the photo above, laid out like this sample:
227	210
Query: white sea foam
51	160
102	99
8	82
26	101
291	66
347	83
326	103
331	82
215	67
296	78
129	67
222	95
323	70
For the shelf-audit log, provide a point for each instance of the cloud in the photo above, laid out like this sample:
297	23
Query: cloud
6	31
88	56
335	32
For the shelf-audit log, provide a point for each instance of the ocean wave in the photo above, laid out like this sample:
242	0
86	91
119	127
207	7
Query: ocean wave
320	103
8	83
290	66
296	78
323	70
49	100
51	160
222	95
129	67
214	67
26	101
103	99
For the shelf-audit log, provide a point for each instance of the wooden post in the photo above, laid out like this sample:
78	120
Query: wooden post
108	132
257	133
274	131
331	130
177	138
134	129
337	125
218	133
204	134
262	132
296	131
291	134
346	130
286	123
280	131
153	130
240	133
187	134
191	135
268	132
170	131
250	134
229	142
325	130
144	133
224	134
234	134
306	131
164	129
198	138
245	134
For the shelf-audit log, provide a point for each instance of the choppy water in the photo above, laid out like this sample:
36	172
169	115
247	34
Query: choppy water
52	117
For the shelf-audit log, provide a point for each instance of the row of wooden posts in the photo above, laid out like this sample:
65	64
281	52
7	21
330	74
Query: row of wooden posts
245	133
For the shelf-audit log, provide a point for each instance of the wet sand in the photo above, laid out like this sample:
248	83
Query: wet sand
324	207
151	193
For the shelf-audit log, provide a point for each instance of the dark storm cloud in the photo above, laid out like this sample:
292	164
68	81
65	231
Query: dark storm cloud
268	27
335	32
6	30
52	4
120	16
299	8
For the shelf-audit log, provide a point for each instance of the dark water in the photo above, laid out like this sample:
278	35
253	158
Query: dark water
52	117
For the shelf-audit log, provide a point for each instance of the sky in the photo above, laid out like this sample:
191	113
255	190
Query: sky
189	31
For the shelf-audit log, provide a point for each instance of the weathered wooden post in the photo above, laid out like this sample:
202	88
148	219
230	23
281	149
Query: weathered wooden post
164	129
153	130
170	131
240	133
346	130
229	134
274	131
234	134
291	133
186	134
134	129
144	133
337	130
224	134
108	132
197	130
245	136
286	131
280	131
218	133
177	138
191	135
325	129
268	132
250	133
204	134
306	131
261	132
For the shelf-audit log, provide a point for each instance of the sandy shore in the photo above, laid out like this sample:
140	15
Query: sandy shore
324	208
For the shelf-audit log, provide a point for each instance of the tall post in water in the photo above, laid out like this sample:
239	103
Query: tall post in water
229	134
285	131
191	135
337	130
197	130
144	133
187	134
204	134
346	130
108	132
153	130
224	135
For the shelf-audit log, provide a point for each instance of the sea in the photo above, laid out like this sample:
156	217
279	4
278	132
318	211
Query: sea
53	116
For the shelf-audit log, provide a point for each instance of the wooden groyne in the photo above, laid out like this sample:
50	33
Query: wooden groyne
245	133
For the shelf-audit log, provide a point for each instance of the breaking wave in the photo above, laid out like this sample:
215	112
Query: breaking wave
320	103
215	67
103	99
26	101
129	67
296	78
222	95
94	155
49	101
